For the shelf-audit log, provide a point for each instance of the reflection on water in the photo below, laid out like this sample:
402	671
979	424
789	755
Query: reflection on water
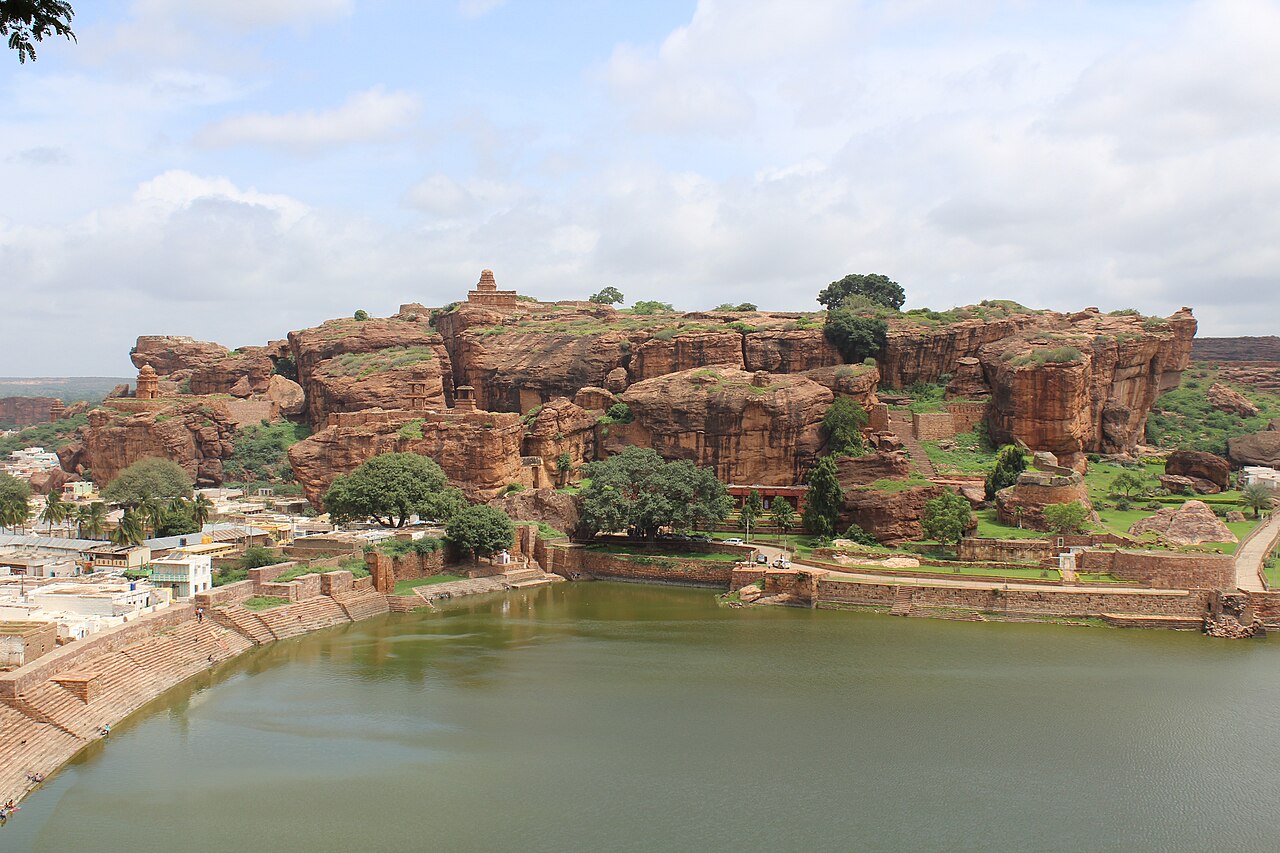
629	717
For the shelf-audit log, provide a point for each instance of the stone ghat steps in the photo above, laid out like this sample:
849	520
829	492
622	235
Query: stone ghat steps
294	620
901	601
1136	620
362	604
245	622
27	746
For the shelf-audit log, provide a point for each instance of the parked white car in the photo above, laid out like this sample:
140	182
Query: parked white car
732	541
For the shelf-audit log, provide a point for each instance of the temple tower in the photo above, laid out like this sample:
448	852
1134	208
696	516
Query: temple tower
464	398
487	293
148	383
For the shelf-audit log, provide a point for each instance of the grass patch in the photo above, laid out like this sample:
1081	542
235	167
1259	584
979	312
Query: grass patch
990	527
670	551
971	455
263	602
1182	417
406	587
1099	577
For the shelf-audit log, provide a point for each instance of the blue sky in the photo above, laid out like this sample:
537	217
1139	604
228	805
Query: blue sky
234	169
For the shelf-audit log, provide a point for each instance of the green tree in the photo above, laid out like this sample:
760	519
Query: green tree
1010	462
131	530
651	307
752	509
390	489
361	315
1066	517
1257	497
946	518
152	478
55	510
481	529
91	520
257	556
14	494
876	287
29	21
856	337
637	491
740	307
1128	485
843	423
856	534
608	296
824	499
782	514
176	519
201	509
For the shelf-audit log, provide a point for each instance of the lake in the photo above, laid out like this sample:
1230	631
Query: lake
599	716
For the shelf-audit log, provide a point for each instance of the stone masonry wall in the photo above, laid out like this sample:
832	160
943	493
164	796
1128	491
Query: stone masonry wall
966	416
1163	570
933	426
577	560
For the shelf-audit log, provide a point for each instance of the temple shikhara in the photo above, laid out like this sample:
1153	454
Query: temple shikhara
487	293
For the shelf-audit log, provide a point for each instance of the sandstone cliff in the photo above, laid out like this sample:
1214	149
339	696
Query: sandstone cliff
748	427
560	427
196	435
202	367
25	411
479	451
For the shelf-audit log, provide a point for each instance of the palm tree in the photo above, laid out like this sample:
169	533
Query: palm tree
1257	497
13	513
201	509
91	520
149	512
131	530
55	510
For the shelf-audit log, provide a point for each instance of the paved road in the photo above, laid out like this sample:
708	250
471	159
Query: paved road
1250	555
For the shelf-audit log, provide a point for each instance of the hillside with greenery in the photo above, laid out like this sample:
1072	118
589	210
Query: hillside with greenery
1183	418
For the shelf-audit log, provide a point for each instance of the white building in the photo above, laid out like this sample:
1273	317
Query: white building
183	572
79	607
1268	477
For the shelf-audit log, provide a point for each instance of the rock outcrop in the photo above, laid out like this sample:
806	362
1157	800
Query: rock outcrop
1193	523
855	381
1023	504
186	365
1199	466
855	471
560	427
1229	400
558	509
26	411
1259	448
479	451
196	435
747	427
891	516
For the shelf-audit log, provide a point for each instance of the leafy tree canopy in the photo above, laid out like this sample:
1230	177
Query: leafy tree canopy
28	21
481	529
843	423
1010	462
1066	518
390	489
741	306
824	500
946	518
878	288
608	296
361	314
752	509
148	479
857	337
782	514
637	491
651	307
14	509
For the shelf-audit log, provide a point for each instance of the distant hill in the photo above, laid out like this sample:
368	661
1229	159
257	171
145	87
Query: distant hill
1236	349
66	388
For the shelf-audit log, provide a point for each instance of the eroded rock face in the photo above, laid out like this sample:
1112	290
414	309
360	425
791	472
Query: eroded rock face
203	367
789	351
1193	523
197	436
1179	485
658	357
348	365
560	427
1023	503
1260	448
25	411
748	427
558	509
855	381
1199	466
863	470
891	517
1228	400
479	451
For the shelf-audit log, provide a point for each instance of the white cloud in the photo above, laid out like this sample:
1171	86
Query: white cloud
249	13
370	116
478	8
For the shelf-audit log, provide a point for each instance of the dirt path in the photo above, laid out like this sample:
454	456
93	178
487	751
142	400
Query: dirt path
1253	551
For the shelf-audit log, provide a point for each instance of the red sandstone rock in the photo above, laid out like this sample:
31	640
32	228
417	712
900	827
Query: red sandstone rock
855	381
53	480
1179	485
1259	448
557	509
891	517
1193	523
1226	399
198	436
26	411
208	368
1023	504
560	426
479	451
658	357
287	395
794	351
1199	465
863	470
594	398
717	417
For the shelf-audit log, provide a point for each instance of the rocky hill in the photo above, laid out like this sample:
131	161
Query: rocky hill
508	393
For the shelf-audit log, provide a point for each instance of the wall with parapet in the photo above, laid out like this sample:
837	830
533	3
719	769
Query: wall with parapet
575	560
1163	570
933	426
966	416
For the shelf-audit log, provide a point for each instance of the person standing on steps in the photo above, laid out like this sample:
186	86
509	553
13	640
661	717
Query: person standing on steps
199	615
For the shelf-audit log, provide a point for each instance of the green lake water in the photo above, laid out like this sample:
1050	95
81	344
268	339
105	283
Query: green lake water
598	717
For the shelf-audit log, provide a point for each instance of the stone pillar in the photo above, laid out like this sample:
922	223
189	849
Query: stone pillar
464	398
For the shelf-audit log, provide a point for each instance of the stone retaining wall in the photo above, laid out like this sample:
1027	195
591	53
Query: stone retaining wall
576	560
1163	570
932	426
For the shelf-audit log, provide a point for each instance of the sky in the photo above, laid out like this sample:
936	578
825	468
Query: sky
234	169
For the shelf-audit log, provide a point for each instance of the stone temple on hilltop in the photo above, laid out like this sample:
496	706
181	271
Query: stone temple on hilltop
487	293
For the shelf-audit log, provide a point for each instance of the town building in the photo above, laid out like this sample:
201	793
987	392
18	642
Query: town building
794	494
23	642
185	571
1268	477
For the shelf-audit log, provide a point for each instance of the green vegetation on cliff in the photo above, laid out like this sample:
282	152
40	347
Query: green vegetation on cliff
1183	418
50	436
260	452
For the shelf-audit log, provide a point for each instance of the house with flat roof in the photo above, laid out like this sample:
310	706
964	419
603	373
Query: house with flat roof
185	571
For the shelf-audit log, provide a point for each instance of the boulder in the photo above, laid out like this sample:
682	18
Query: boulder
723	418
1229	400
863	470
558	509
890	516
1235	516
1179	485
617	380
287	395
750	593
1259	448
241	388
597	399
1193	523
45	482
968	382
1199	465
